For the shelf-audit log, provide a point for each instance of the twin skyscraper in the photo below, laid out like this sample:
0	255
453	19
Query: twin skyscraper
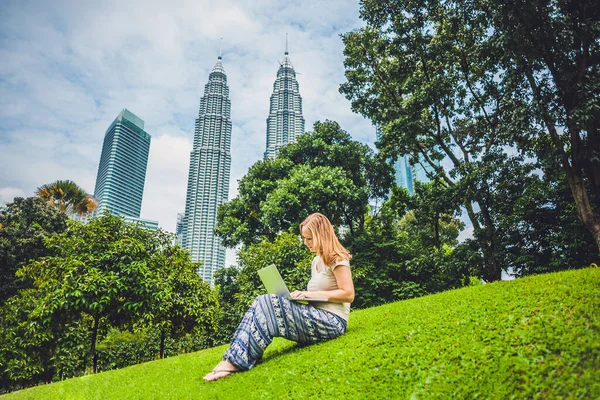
122	168
124	158
210	159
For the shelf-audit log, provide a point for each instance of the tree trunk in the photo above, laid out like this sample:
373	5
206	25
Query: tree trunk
492	268
573	171
487	241
162	344
436	225
93	354
596	232
492	255
590	219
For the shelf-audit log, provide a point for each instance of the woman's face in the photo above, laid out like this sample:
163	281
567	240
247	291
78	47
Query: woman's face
307	238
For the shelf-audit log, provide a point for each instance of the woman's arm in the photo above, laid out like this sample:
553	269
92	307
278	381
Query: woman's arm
343	294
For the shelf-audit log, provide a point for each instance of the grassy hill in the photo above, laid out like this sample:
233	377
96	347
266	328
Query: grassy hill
536	337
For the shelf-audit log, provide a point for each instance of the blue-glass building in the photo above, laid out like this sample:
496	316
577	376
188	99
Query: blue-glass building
406	174
123	162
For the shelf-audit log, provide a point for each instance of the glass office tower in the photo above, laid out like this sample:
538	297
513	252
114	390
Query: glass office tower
208	178
179	229
122	170
406	174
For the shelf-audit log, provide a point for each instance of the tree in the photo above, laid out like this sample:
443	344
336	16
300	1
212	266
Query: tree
115	274
239	221
428	74
34	351
328	145
186	303
407	249
551	54
24	224
308	189
67	197
542	231
227	287
436	210
323	171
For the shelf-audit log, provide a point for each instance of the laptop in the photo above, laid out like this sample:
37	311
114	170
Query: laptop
274	284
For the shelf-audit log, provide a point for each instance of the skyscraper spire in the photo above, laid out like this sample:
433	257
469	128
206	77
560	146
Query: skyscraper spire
285	121
208	178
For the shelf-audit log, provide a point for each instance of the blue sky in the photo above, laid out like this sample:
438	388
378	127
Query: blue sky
69	67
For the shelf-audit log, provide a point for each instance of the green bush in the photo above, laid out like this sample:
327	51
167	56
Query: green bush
123	348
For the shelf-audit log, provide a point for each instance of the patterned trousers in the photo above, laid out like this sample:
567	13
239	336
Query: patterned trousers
270	316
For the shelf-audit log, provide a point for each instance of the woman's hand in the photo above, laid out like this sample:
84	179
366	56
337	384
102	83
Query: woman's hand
298	294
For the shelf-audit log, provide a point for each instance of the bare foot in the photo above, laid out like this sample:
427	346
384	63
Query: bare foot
223	369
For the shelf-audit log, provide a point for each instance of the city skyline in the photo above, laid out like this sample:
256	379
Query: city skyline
69	69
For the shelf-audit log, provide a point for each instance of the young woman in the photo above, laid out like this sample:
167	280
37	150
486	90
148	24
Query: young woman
272	315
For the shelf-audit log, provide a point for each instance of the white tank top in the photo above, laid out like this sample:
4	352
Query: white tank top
325	280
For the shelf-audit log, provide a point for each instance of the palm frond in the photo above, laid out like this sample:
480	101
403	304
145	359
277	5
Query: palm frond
68	197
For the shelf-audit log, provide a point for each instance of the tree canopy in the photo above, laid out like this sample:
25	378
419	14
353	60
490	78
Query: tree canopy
551	57
106	273
441	81
24	224
324	171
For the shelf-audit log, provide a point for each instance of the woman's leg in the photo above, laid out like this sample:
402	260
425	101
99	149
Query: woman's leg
271	316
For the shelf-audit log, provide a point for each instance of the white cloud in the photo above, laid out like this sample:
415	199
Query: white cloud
166	178
7	194
68	68
466	233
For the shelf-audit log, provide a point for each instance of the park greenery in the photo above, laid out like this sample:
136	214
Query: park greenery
507	92
107	290
499	101
534	337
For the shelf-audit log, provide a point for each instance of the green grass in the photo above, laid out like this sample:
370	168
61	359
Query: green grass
536	337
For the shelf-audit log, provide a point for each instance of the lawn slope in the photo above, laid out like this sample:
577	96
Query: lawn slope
536	337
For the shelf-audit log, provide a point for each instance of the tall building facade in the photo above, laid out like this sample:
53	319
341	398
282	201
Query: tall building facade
122	170
208	178
406	174
285	121
179	229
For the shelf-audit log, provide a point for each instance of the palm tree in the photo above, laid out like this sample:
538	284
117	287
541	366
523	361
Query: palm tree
68	197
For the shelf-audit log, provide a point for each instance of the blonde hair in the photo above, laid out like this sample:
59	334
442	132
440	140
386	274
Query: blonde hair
327	244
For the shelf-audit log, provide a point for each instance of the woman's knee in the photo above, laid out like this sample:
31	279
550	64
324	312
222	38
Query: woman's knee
262	300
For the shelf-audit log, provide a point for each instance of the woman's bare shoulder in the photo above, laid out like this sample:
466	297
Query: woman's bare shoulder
340	262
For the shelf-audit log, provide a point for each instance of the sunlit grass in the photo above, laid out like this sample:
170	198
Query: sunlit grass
536	337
